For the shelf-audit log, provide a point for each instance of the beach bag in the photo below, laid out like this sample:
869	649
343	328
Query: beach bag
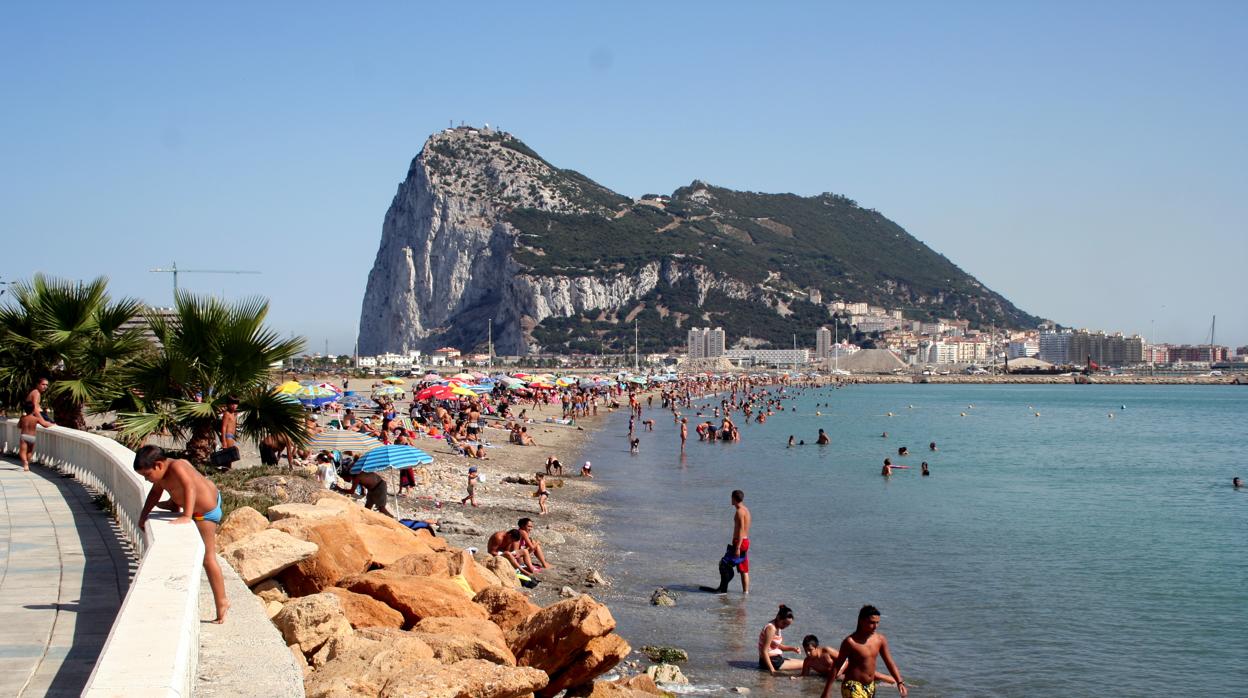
224	457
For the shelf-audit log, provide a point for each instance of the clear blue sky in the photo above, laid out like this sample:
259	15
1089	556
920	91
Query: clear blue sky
1087	160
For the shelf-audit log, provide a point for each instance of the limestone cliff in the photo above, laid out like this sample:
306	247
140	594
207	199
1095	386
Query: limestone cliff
483	228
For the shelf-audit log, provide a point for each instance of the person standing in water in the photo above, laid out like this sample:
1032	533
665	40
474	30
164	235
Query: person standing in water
860	650
737	556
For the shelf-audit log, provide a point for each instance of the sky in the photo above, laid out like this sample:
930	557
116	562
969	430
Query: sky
1086	160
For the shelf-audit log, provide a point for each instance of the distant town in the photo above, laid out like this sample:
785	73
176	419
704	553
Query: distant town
896	344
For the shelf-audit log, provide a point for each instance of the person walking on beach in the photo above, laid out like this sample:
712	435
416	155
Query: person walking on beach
27	425
859	652
737	556
472	487
376	491
542	494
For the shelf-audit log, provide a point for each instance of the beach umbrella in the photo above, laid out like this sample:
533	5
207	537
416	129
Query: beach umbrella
431	377
393	456
314	395
329	386
388	391
541	385
466	377
288	387
462	391
511	383
437	392
480	389
586	383
637	379
477	374
394	380
342	440
356	402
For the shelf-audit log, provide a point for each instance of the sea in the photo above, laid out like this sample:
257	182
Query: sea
1070	540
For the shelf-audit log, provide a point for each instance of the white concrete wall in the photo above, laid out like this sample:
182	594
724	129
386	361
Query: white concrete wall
153	647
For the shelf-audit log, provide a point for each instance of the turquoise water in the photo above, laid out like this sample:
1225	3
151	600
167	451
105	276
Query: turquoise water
1064	554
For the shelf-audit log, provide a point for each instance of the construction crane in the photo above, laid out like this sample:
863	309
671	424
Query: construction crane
173	269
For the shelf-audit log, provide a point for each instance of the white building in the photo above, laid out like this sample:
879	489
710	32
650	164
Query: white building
823	342
706	343
768	357
1055	346
939	353
1024	349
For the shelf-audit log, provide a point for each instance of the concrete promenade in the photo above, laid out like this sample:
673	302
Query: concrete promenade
63	575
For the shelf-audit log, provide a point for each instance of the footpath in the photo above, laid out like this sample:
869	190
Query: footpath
63	575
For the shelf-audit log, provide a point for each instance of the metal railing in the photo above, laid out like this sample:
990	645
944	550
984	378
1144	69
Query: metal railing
153	647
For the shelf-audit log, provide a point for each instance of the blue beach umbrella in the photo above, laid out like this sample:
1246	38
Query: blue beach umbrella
394	456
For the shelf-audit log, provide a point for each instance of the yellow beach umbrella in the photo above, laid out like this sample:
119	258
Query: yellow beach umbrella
461	390
288	387
393	380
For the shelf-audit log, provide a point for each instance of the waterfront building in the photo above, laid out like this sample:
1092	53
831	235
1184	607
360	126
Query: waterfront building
1023	349
779	358
1055	346
939	353
823	342
706	343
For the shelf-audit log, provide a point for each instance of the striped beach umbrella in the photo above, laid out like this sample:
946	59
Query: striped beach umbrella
342	440
314	395
388	391
394	456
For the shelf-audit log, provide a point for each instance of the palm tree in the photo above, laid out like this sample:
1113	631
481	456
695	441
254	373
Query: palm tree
72	333
211	350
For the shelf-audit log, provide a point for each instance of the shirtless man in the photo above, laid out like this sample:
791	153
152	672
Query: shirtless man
737	556
823	439
507	544
271	448
229	423
684	432
819	660
859	652
27	424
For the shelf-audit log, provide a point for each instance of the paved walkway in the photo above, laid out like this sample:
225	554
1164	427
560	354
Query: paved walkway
63	575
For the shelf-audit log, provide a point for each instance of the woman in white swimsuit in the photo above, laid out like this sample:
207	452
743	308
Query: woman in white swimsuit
771	647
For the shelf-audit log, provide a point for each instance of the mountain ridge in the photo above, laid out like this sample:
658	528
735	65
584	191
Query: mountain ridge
483	228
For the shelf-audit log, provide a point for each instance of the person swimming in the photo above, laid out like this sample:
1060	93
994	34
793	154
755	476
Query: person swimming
887	470
790	444
903	451
931	446
926	472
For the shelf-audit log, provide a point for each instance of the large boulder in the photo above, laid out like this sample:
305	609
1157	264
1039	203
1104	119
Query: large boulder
341	552
271	590
571	641
599	656
503	570
415	597
483	629
307	512
386	546
552	637
478	576
365	611
311	621
508	608
264	554
452	648
426	564
666	673
362	664
470	678
241	523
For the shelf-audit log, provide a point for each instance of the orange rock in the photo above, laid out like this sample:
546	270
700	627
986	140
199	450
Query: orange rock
553	637
642	683
599	656
479	577
430	540
470	678
483	629
507	607
241	523
427	564
340	553
503	570
415	597
386	546
451	648
362	664
365	611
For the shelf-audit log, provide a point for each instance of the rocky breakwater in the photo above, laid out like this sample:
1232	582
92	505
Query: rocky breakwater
369	607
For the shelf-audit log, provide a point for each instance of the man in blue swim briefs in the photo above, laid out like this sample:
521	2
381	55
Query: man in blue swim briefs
198	499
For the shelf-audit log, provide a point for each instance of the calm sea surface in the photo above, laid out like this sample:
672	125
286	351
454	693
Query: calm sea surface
1061	554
